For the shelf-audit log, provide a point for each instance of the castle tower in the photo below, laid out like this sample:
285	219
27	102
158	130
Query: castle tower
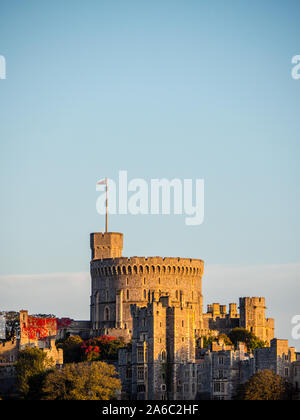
119	282
252	317
106	245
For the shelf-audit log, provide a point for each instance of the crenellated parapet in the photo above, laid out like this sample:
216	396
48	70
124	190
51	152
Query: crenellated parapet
118	282
147	266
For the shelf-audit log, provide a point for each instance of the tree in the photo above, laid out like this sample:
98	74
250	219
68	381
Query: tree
265	385
244	336
101	348
31	367
82	381
225	338
71	348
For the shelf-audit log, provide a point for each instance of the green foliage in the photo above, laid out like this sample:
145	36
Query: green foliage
102	348
208	339
82	381
31	366
71	348
244	336
265	385
225	338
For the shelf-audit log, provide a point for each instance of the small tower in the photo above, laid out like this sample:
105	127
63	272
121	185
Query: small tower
106	245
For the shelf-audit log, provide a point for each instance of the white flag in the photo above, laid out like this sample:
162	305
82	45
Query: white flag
101	182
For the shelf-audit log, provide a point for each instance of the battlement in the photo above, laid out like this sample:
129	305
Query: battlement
106	245
147	265
253	301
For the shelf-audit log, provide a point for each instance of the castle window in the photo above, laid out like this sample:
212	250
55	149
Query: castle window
144	280
141	269
140	354
127	281
145	294
158	269
159	280
182	323
129	270
176	294
141	388
128	373
124	269
153	269
106	314
106	295
163	355
135	269
140	373
127	294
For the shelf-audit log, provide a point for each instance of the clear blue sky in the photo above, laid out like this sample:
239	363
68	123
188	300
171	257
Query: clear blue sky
185	89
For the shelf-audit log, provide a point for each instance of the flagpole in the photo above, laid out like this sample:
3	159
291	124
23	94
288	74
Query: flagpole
106	206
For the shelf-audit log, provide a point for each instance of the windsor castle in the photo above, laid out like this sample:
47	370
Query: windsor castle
173	350
156	305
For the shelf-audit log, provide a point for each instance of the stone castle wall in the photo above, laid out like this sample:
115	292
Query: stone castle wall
119	282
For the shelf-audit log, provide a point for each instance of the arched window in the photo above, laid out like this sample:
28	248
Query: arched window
163	355
106	314
145	294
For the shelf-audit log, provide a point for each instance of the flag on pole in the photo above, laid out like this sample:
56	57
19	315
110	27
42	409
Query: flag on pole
101	182
104	182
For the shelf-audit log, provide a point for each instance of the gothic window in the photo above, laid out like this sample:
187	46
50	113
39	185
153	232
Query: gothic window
140	373
127	294
106	314
141	388
128	373
140	354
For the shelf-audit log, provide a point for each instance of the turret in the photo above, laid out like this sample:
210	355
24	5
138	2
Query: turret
106	245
